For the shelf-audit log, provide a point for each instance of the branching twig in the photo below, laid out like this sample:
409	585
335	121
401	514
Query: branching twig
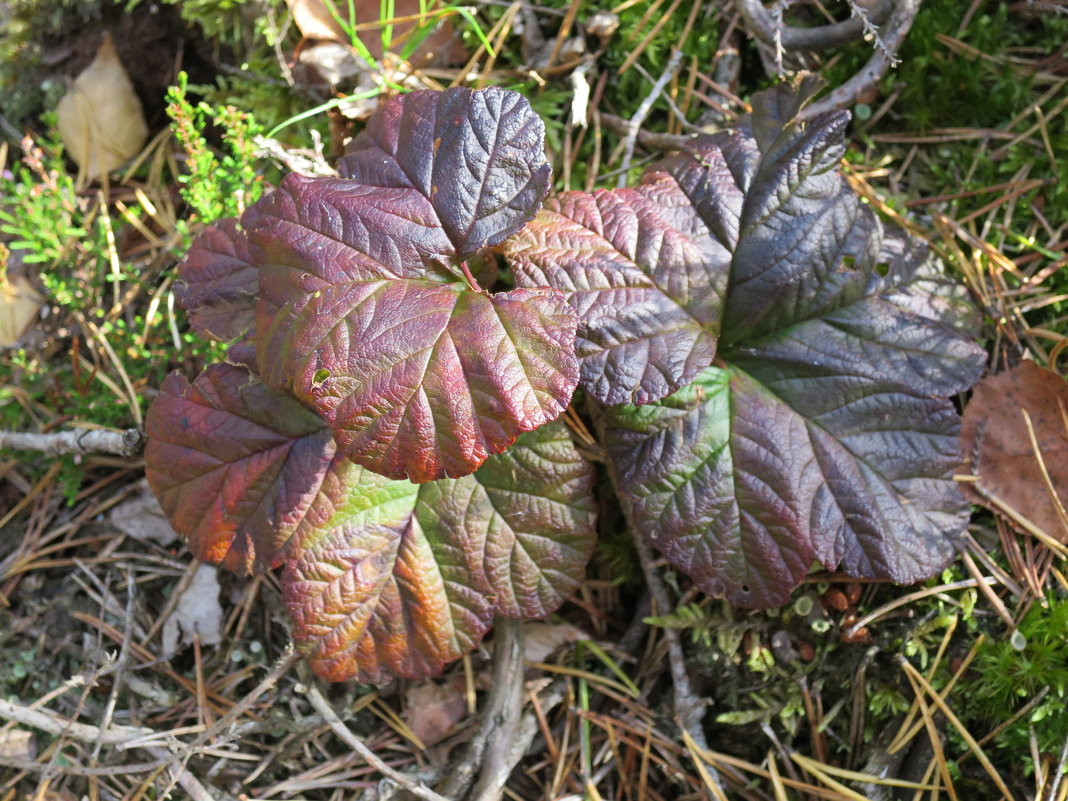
58	725
127	444
897	27
643	111
322	706
761	23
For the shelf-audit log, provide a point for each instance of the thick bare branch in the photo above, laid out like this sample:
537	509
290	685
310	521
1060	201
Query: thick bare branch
127	444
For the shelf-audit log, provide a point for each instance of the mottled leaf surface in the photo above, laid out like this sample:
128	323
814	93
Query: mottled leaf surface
218	280
823	433
404	578
364	313
237	466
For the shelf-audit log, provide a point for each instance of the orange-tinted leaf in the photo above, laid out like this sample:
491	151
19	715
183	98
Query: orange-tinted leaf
236	465
405	578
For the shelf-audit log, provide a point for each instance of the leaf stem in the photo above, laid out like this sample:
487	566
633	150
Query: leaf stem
471	280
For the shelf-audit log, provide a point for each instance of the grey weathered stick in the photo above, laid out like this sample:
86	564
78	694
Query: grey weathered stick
897	27
322	706
501	749
639	116
57	725
127	443
759	22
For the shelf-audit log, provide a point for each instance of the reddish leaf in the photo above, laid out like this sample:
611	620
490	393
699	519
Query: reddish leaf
404	579
644	277
1000	452
475	156
237	466
218	280
362	313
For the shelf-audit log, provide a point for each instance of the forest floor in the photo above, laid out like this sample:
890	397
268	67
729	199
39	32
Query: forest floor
129	671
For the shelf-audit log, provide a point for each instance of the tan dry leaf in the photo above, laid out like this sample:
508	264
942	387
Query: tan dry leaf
18	744
19	305
100	119
998	450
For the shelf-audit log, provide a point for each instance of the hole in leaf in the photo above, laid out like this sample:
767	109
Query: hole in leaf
849	263
882	268
320	376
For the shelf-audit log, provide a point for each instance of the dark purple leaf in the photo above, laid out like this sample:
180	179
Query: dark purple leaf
823	431
404	579
237	466
218	280
418	374
645	278
476	157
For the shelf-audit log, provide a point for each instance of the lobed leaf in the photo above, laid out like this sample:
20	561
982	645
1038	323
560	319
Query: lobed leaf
476	157
362	313
236	465
404	578
643	276
218	280
822	432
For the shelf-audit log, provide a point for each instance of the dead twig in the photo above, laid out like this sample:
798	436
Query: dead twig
846	95
493	752
322	706
58	725
643	111
651	140
127	444
761	23
689	709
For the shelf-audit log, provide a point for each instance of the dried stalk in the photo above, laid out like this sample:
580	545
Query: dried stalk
491	752
322	706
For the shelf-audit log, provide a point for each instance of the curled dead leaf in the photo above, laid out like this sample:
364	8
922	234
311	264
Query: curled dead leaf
100	119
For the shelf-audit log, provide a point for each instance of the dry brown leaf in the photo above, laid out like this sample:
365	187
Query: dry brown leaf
100	119
432	709
541	639
18	744
998	449
19	305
